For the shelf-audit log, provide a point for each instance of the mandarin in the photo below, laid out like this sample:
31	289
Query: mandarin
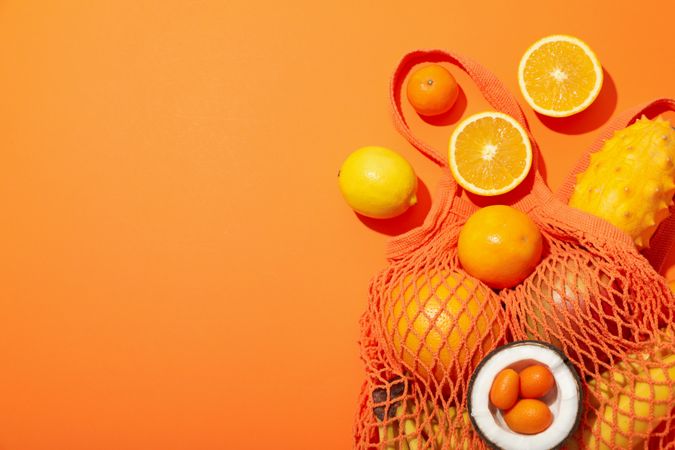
432	90
535	381
505	388
529	416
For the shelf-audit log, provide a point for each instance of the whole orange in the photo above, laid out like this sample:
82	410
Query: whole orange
442	324
432	90
500	246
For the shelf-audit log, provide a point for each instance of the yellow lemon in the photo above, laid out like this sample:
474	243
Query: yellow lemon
378	182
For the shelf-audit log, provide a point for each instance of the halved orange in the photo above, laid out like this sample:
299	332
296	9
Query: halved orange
490	153
559	76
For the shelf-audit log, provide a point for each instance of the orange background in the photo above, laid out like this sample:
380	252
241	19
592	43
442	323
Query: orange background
178	269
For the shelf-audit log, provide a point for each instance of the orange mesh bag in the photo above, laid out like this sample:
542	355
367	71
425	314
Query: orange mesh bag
428	323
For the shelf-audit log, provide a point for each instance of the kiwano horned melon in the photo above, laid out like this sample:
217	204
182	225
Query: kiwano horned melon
630	182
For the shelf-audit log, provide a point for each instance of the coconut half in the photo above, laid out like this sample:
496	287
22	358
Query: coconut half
564	400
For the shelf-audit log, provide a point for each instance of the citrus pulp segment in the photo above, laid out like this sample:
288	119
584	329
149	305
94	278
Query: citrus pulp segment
559	76
490	153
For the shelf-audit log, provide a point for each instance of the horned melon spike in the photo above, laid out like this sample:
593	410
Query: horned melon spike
630	181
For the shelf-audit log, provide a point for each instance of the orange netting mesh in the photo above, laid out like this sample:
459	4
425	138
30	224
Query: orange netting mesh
428	323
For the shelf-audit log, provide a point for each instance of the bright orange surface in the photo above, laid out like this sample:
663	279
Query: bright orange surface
178	270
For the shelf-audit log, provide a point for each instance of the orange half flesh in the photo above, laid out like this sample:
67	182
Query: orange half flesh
559	76
490	154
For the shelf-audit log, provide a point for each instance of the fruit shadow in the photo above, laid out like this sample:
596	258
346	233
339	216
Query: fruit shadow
541	167
412	218
592	117
453	115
